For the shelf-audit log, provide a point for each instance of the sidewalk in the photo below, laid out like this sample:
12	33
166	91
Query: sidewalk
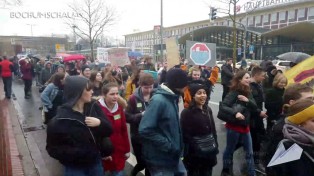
15	158
10	158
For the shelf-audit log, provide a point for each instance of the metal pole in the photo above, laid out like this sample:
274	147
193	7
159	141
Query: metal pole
32	30
244	43
161	31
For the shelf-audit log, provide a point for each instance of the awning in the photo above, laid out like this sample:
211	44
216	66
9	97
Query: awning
302	31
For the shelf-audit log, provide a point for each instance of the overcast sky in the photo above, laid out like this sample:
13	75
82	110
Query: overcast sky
133	15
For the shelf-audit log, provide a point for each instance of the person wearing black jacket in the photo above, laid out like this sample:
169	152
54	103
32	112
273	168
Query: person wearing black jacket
137	104
256	122
72	134
226	77
274	99
197	120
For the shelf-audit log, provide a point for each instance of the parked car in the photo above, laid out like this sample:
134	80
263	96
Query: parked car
219	64
282	65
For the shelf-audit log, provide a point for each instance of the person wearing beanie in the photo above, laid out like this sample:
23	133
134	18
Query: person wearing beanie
298	133
195	77
85	71
74	134
160	127
197	121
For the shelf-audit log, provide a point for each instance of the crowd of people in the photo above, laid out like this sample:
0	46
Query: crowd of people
87	109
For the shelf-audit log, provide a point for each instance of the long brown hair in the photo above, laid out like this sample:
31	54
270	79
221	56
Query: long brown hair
236	84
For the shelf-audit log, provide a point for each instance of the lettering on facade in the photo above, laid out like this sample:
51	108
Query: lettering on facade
263	3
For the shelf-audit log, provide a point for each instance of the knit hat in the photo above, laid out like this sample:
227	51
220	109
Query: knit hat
84	67
176	78
61	66
73	89
194	87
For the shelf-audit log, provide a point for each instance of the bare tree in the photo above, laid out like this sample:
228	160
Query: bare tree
5	3
94	17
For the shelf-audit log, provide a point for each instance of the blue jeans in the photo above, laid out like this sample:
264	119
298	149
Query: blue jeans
233	138
117	173
94	170
7	83
168	171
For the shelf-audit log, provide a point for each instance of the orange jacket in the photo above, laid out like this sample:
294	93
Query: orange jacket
187	98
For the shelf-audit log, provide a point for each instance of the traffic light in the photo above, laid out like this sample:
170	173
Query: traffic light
213	13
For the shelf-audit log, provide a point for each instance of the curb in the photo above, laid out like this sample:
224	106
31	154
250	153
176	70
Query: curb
11	153
31	147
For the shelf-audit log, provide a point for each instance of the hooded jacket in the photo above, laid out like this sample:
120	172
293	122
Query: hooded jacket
69	139
160	129
45	74
26	70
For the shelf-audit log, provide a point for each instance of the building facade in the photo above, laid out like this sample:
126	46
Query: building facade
270	26
13	45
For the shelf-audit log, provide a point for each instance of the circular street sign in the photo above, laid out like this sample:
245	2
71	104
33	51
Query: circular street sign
200	54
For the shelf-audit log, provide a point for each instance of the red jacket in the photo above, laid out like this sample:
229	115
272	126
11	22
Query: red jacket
6	68
119	139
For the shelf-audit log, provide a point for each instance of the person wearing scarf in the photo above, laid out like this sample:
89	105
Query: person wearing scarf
299	129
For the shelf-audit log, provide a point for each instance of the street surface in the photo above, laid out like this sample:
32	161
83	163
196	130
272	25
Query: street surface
31	121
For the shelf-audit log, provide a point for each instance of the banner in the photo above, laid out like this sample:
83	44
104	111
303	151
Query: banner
102	55
118	57
173	56
302	72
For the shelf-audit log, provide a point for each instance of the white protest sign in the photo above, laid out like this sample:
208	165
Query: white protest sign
102	55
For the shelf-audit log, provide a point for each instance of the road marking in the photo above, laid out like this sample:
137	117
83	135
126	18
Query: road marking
214	103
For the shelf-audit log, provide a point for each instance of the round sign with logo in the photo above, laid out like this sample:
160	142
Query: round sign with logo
200	54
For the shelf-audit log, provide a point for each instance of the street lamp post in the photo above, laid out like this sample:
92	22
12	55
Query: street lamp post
31	28
161	31
74	36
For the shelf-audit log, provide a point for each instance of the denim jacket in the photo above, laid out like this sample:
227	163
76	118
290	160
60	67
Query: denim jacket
48	95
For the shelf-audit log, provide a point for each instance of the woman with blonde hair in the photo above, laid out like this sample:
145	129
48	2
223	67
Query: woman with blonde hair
132	83
274	99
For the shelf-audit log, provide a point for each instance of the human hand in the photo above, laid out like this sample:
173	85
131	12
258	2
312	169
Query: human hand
92	121
143	113
263	114
107	158
243	98
240	116
127	155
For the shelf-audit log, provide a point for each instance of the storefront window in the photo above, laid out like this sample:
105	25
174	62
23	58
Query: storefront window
301	13
274	17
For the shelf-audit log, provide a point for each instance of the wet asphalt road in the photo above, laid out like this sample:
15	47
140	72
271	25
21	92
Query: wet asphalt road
33	125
